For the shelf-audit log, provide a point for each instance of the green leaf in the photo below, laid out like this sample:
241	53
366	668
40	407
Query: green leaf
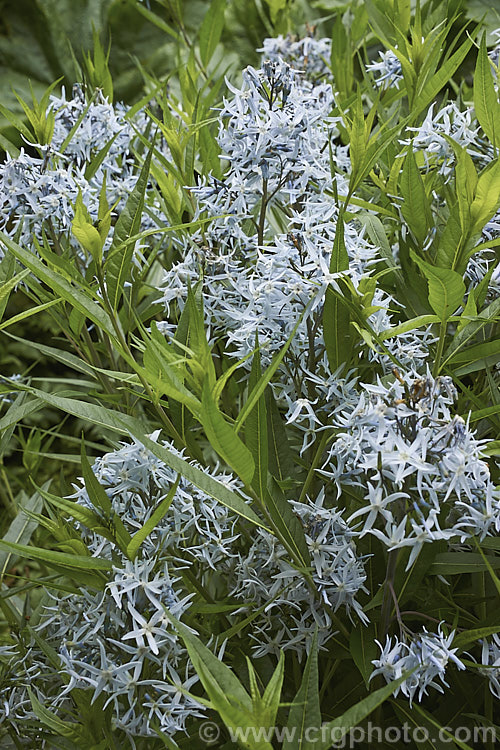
461	640
363	650
470	331
224	439
409	325
85	231
119	260
454	563
486	102
22	527
305	710
408	716
67	359
256	437
211	29
270	701
476	357
100	501
337	333
280	459
489	562
126	425
288	527
415	206
259	388
487	198
446	288
221	678
465	185
75	296
158	514
57	558
8	281
73	732
338	728
163	370
80	513
440	78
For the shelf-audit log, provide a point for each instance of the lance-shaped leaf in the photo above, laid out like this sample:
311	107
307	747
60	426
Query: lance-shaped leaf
363	650
100	500
22	527
256	431
120	254
224	439
337	332
415	207
486	104
76	297
288	527
239	712
54	557
211	29
85	232
338	728
158	514
305	710
126	425
280	459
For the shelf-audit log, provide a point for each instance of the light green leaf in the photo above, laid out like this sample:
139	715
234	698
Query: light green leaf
158	514
486	102
446	287
224	439
85	231
117	266
415	206
74	295
50	556
211	29
440	78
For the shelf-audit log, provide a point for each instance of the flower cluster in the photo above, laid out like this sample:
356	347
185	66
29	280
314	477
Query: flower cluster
38	193
284	596
426	655
419	468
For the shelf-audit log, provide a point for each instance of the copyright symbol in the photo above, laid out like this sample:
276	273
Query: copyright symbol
209	732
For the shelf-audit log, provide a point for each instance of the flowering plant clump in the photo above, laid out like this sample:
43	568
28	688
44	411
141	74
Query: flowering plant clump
269	299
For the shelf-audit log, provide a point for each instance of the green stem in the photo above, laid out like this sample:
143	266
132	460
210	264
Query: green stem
440	348
314	465
262	215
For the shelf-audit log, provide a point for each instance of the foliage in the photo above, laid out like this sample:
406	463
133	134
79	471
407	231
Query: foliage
249	407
